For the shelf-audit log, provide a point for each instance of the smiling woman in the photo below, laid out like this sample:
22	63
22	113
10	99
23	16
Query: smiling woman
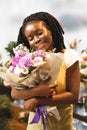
41	31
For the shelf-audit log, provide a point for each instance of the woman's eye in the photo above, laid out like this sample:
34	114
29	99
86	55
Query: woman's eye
30	38
40	33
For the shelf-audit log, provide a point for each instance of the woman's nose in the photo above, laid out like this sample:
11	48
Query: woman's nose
36	39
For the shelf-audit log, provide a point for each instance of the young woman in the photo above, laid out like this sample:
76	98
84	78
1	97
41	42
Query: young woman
42	31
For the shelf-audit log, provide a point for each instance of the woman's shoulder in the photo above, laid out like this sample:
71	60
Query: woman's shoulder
70	57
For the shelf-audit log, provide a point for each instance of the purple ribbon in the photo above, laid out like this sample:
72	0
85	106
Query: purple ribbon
41	112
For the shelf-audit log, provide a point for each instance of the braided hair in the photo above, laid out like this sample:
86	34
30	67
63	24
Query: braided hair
53	25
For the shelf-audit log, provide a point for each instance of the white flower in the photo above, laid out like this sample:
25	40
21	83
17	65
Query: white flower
17	70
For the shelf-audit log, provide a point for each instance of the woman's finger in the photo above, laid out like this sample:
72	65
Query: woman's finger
53	86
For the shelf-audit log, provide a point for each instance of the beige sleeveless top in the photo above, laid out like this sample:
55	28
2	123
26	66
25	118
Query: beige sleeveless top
66	112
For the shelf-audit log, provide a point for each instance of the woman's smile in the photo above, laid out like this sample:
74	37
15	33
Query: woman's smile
41	46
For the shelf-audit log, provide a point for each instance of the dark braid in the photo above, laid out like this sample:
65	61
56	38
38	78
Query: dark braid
53	25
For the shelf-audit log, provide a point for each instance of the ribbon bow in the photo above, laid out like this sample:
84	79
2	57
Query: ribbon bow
41	112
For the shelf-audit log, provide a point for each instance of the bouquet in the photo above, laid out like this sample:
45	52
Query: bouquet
28	69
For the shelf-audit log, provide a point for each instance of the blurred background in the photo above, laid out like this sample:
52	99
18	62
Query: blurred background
70	13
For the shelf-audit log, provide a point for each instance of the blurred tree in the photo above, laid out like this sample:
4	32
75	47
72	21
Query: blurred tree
9	48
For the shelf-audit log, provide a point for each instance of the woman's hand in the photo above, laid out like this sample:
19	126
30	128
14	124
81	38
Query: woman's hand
31	104
43	89
46	90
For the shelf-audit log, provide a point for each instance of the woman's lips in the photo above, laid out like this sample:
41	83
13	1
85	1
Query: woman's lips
41	46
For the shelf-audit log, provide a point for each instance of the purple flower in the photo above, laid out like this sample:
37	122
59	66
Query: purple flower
25	62
38	53
20	53
15	61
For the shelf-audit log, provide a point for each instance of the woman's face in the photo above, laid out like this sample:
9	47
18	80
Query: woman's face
38	36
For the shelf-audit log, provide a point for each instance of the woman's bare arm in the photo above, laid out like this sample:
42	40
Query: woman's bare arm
72	87
41	90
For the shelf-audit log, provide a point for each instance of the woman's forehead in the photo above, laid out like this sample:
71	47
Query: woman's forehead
35	24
